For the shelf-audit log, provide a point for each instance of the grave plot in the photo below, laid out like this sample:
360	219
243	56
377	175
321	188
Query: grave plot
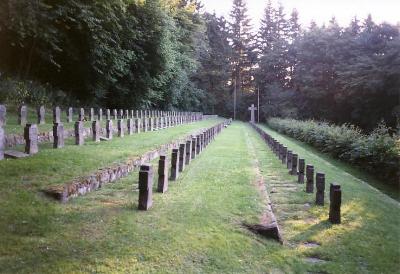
308	224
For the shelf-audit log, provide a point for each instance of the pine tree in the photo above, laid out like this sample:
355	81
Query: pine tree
242	44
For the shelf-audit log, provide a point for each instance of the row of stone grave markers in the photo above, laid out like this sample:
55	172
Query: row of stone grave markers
298	167
130	126
93	116
180	158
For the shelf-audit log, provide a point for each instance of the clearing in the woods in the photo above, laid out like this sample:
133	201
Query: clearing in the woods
197	226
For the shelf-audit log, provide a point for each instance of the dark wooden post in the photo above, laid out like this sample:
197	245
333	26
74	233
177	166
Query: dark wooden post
145	187
162	174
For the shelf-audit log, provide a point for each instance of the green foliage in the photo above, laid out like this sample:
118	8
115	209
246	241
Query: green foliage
377	152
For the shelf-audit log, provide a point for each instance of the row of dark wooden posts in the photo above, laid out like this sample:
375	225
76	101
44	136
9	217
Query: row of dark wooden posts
180	158
297	167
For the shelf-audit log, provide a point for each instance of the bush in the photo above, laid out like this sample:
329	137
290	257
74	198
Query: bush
377	152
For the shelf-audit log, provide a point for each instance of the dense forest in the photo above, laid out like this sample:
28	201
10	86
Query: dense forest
170	54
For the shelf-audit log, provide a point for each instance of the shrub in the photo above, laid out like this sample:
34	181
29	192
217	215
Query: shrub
377	152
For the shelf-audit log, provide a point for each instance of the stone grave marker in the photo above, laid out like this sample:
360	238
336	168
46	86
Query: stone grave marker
108	114
145	187
121	114
194	146
127	114
81	114
162	174
175	164
335	204
109	129
22	115
198	144
56	115
92	115
70	113
100	114
2	143
188	156
121	128
182	157
138	125
41	113
58	135
302	167
79	139
3	113
115	114
31	139
289	159
320	186
309	179
96	132
130	126
293	171
284	153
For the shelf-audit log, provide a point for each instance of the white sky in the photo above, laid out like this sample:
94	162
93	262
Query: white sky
320	11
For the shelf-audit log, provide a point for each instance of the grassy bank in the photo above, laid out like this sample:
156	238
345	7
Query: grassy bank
196	227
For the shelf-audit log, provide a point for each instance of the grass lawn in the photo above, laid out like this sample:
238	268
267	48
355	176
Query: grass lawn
193	228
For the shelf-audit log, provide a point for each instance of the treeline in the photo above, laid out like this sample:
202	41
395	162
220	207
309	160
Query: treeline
167	54
115	53
340	74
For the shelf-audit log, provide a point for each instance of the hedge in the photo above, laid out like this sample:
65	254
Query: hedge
377	152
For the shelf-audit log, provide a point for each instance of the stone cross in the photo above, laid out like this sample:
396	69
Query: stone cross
2	143
56	115
31	139
320	185
41	112
162	174
70	113
175	164
336	202
310	179
96	131
182	157
252	117
79	139
58	135
3	112
109	129
22	114
302	166
145	187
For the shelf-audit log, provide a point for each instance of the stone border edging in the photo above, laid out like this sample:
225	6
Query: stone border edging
82	185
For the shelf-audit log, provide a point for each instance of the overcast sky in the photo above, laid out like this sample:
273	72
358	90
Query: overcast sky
318	10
